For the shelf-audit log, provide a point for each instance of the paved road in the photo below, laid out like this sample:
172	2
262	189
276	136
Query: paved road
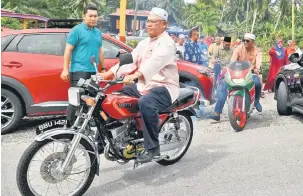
265	159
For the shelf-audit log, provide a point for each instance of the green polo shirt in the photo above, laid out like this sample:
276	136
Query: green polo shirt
223	54
87	43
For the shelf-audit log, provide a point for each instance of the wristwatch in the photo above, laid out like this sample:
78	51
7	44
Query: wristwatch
103	68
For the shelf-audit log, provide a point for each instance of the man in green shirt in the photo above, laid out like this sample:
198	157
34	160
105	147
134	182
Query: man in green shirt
223	53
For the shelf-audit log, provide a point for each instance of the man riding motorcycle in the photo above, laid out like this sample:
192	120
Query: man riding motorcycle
245	52
223	53
158	79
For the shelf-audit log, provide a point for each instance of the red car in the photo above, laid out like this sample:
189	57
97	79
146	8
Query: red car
32	62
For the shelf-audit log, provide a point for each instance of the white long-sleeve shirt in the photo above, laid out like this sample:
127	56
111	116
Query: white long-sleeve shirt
155	59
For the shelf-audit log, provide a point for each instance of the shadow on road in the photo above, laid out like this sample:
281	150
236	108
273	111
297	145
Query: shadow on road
271	118
154	175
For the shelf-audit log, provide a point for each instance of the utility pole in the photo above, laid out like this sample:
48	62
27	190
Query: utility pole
293	19
135	18
122	20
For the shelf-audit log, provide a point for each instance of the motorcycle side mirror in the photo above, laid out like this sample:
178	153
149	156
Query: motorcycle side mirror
121	51
294	58
93	61
125	59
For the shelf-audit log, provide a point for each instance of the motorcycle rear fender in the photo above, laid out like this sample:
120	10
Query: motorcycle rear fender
190	111
53	132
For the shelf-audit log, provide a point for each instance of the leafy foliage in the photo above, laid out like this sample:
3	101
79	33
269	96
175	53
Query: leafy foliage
11	23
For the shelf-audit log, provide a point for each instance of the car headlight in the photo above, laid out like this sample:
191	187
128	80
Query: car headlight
207	73
74	95
237	81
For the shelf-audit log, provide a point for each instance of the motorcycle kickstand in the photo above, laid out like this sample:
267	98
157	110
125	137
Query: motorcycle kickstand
136	164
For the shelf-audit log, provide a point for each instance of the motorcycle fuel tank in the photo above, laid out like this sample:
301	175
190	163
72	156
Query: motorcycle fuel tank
120	106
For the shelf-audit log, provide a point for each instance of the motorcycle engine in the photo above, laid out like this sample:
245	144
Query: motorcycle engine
122	135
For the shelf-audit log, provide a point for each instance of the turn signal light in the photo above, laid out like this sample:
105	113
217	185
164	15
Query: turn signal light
88	100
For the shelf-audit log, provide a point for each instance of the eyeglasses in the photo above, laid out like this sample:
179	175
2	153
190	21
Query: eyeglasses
153	21
246	40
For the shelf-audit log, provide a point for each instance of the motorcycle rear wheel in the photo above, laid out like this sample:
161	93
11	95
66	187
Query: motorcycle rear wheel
33	149
237	118
187	119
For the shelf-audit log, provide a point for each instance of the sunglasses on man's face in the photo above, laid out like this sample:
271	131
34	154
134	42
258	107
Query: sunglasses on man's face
246	40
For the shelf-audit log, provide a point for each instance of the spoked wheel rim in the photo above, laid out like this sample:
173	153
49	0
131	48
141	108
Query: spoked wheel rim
184	137
44	177
7	111
240	116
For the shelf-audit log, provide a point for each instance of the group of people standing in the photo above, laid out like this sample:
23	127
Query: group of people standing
278	58
204	51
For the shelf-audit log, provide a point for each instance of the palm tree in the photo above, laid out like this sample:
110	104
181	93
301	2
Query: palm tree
50	9
202	15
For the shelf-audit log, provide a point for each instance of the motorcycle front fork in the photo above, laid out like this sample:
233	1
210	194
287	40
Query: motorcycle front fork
77	137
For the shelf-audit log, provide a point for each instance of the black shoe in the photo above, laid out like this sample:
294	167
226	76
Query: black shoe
214	116
148	155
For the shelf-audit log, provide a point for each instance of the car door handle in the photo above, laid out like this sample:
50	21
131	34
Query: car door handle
13	64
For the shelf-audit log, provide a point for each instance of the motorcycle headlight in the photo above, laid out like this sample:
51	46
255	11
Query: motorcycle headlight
74	95
237	81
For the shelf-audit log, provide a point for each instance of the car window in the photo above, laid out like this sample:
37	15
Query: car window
52	44
110	50
5	41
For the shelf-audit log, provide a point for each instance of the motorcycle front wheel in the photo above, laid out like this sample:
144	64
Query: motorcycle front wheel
237	117
38	169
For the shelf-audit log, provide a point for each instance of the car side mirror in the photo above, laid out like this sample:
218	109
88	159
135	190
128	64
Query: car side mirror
294	58
125	59
121	51
179	55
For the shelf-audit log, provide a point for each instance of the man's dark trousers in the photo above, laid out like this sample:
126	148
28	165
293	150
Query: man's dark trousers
74	78
156	100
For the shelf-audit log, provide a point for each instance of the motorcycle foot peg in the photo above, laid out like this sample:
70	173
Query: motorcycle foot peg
159	158
136	164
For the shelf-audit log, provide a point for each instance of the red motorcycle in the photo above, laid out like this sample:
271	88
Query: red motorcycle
64	161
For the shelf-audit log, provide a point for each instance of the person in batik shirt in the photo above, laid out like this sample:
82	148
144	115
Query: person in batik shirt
192	51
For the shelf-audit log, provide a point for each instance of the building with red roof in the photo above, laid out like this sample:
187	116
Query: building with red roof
130	14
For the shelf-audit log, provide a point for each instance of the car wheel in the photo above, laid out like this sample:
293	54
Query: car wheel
11	111
282	99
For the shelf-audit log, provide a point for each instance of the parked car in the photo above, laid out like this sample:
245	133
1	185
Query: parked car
289	86
32	62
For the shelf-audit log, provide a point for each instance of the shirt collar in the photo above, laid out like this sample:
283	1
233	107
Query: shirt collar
156	38
86	27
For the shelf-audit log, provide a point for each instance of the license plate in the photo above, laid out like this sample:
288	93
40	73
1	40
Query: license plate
50	125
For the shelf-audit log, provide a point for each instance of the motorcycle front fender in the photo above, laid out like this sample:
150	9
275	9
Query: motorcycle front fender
237	92
60	131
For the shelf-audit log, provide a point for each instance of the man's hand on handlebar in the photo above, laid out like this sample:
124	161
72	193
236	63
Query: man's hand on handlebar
129	79
106	75
257	71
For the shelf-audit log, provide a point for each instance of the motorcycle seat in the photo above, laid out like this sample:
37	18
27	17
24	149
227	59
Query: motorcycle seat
185	96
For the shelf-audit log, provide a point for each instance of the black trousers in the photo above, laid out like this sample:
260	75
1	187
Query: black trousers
74	78
158	99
